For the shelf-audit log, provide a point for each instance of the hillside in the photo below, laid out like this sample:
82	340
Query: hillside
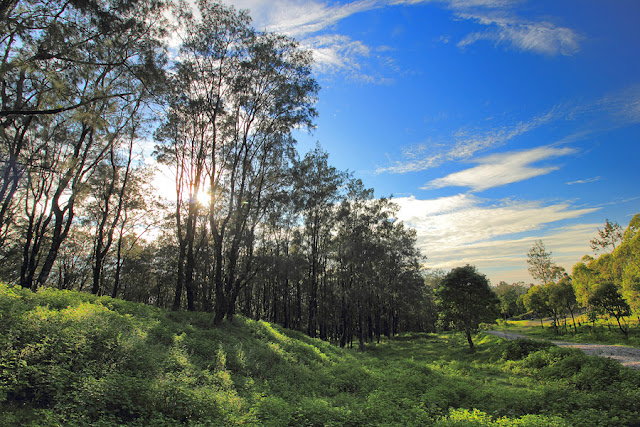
69	358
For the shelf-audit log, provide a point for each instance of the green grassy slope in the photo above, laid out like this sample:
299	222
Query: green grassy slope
75	359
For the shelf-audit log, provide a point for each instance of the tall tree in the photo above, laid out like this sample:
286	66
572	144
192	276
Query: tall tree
237	95
73	74
316	189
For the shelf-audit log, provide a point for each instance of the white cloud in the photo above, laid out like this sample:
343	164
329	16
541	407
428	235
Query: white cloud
539	37
624	105
505	28
585	181
334	53
307	19
462	229
466	143
501	169
300	17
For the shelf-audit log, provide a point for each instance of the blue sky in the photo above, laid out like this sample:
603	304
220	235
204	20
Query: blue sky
493	123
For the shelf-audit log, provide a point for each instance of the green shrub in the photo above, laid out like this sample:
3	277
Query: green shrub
597	374
467	418
521	348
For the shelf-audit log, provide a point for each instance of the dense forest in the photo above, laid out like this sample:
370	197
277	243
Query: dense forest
90	90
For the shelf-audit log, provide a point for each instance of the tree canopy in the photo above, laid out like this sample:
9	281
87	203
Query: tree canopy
465	300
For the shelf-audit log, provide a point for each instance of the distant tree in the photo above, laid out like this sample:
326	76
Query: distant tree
608	237
562	300
465	300
627	259
510	298
536	300
541	266
607	300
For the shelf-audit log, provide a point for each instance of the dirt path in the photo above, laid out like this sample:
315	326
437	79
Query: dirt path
628	356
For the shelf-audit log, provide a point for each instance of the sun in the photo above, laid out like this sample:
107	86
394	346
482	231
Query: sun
203	198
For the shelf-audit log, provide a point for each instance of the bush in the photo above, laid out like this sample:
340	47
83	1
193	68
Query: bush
597	374
521	348
467	418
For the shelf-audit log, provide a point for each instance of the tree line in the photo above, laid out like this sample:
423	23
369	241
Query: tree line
251	227
606	285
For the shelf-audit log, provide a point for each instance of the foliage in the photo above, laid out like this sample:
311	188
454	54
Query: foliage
610	284
541	266
511	298
609	236
74	359
607	299
520	348
465	300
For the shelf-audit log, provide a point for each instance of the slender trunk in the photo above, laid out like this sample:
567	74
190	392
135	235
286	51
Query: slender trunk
469	340
623	330
575	329
360	333
220	302
178	295
116	279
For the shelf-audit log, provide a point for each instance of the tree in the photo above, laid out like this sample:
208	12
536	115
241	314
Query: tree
236	96
562	299
627	259
537	300
606	299
541	267
73	76
510	298
608	237
465	300
316	189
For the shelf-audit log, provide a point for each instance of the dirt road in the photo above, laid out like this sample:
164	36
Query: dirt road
628	356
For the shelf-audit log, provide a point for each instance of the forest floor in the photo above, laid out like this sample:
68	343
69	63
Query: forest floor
628	356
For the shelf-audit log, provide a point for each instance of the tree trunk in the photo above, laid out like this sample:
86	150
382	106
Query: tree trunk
469	340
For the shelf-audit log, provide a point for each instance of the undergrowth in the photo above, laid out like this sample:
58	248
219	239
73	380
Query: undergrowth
74	359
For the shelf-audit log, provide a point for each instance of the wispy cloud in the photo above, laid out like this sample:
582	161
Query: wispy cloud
495	236
465	144
603	114
311	22
504	27
306	20
501	169
623	105
538	37
299	18
585	181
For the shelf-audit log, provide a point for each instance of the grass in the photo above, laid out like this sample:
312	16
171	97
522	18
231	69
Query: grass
604	332
74	359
